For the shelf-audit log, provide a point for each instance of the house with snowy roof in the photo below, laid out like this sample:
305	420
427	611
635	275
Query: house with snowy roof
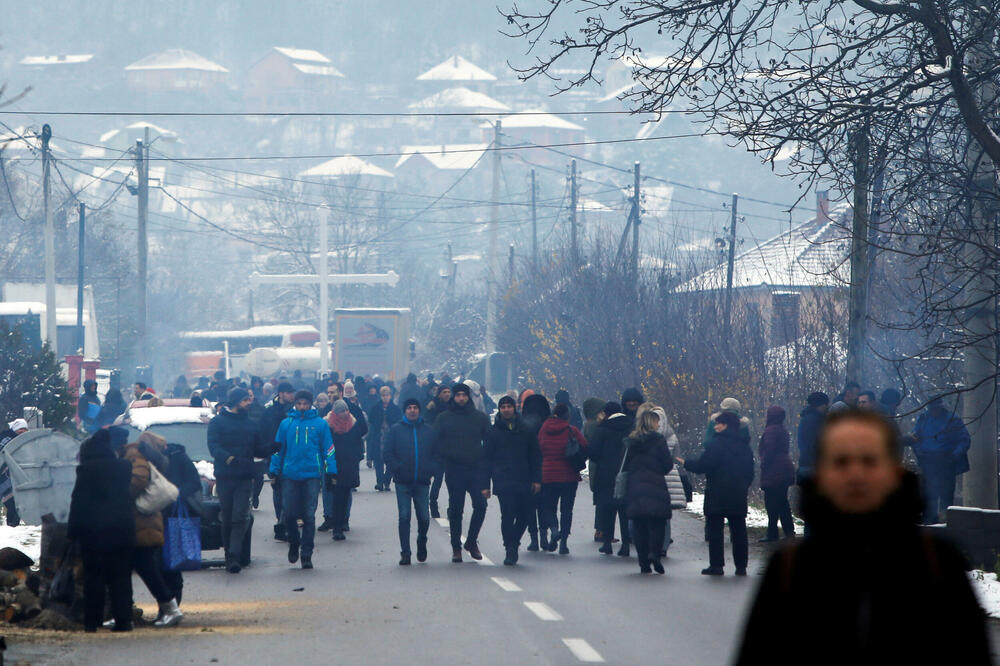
539	128
287	77
790	278
435	167
175	70
456	70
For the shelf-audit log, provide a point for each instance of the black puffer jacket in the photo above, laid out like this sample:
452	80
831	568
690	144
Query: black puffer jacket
461	431
410	452
728	466
830	596
647	461
606	450
232	434
275	412
100	510
511	458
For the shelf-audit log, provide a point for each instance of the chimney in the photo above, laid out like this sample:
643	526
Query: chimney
823	205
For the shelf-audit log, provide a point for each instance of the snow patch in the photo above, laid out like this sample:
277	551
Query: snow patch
26	538
987	590
755	517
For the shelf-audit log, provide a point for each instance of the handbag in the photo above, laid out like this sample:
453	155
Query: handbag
575	454
621	479
62	589
158	495
182	540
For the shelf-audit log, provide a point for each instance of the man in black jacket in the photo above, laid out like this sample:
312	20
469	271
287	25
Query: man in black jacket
409	451
513	462
234	441
383	415
274	414
437	406
461	431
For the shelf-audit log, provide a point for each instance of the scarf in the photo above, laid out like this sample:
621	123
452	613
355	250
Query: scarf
341	423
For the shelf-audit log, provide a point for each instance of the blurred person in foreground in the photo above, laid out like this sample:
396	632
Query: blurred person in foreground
867	586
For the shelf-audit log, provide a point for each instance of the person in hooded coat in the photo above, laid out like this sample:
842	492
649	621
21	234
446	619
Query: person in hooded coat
647	461
410	390
535	409
592	416
381	416
348	433
512	461
777	474
632	398
114	406
607	450
88	407
560	479
866	586
102	523
728	465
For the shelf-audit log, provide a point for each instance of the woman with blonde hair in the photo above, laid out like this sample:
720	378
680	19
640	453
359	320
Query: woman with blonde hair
647	462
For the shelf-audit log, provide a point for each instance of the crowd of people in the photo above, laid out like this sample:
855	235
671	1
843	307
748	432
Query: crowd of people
530	455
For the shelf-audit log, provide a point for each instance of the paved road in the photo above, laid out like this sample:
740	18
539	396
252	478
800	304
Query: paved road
359	606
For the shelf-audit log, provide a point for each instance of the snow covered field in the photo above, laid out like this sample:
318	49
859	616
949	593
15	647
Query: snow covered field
26	538
987	589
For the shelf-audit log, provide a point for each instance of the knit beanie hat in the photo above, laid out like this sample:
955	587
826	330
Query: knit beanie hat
285	387
349	391
460	388
730	405
411	401
818	399
236	395
562	396
339	407
507	400
304	395
592	407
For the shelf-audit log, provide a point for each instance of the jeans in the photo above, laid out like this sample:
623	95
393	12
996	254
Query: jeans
516	509
939	489
375	451
716	540
146	562
300	497
436	483
778	509
412	496
234	500
608	513
460	481
648	534
340	506
563	495
107	569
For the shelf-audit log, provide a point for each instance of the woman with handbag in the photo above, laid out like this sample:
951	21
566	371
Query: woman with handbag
148	486
101	522
560	477
646	464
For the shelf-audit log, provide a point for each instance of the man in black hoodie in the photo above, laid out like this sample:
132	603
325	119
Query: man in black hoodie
276	412
513	462
461	431
631	399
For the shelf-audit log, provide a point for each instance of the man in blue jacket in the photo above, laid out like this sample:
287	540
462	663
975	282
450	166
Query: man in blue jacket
409	452
305	455
941	443
810	421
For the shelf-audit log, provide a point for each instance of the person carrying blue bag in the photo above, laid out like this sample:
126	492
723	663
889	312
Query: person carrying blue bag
305	457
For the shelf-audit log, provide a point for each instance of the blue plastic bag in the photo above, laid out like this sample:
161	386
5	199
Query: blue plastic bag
182	540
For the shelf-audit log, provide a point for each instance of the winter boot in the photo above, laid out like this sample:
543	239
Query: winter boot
338	536
605	549
280	534
713	571
169	615
293	553
456	555
325	526
473	549
404	560
624	550
511	558
533	545
307	562
553	542
563	549
421	550
658	566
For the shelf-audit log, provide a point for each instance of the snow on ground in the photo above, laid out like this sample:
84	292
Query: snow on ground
26	538
987	589
756	517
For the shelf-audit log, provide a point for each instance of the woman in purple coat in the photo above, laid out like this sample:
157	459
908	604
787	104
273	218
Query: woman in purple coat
777	473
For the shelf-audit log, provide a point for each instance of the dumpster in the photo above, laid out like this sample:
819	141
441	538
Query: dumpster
42	466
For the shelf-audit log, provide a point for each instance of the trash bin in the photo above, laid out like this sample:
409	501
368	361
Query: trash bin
42	466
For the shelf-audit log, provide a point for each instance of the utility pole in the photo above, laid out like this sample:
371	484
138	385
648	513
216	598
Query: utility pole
574	252
324	292
491	292
51	331
858	308
510	265
80	339
534	226
142	174
730	267
636	220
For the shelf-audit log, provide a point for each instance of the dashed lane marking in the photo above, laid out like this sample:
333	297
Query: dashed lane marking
581	650
543	611
485	562
506	584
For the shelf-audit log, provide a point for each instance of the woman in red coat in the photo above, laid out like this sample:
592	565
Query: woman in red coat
560	478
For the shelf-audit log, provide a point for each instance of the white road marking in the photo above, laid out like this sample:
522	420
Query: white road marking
443	522
506	584
485	562
543	611
581	650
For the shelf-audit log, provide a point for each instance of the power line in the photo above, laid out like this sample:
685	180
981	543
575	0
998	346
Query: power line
339	114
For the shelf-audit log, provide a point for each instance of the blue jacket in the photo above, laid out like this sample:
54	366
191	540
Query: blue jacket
810	421
410	452
942	436
305	447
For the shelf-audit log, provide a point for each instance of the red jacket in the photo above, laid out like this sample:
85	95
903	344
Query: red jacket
552	439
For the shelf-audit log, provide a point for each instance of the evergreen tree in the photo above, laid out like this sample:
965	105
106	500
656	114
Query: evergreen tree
31	379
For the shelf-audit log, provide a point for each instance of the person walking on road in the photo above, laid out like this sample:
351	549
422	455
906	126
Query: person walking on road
274	414
647	461
777	474
410	452
304	461
234	441
560	478
512	461
727	463
866	586
606	450
461	431
535	409
382	416
102	523
435	407
348	434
